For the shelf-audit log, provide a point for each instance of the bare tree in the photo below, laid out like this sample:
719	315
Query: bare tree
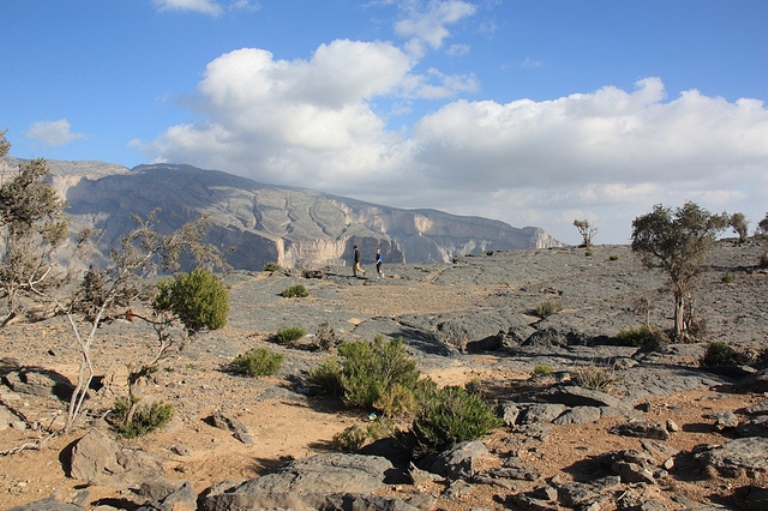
587	231
678	241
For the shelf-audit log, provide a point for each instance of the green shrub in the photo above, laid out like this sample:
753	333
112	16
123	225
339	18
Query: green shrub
297	291
635	337
258	362
588	253
272	267
450	415
326	378
287	335
350	440
721	353
543	369
198	298
547	308
596	378
146	418
370	375
368	369
727	278
613	257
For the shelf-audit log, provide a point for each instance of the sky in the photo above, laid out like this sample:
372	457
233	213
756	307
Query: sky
532	112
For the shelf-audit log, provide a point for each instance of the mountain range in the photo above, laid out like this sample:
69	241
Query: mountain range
257	223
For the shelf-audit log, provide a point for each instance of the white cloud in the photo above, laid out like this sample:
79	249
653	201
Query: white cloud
54	133
609	154
210	7
426	21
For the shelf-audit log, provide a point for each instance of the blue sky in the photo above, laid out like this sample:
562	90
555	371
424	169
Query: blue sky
533	112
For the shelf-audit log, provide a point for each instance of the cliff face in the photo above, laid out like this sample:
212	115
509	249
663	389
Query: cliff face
263	223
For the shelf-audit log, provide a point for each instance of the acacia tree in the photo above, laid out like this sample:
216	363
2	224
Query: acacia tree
678	241
738	222
586	230
33	227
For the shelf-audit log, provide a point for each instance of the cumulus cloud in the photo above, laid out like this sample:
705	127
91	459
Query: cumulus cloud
425	22
608	155
53	133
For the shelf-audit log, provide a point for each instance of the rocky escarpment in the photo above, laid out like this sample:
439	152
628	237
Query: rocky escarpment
259	223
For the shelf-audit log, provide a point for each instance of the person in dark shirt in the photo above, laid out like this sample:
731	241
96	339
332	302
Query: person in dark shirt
357	268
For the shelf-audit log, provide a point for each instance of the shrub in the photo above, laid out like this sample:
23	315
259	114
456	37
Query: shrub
198	298
145	419
349	440
272	267
763	260
326	378
721	353
370	375
369	369
596	378
258	362
635	337
543	369
547	308
287	335
588	253
297	291
450	415
613	258
727	278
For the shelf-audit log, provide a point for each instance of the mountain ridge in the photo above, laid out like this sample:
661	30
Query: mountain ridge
258	223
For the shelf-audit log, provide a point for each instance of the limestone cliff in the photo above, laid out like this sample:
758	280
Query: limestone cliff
263	223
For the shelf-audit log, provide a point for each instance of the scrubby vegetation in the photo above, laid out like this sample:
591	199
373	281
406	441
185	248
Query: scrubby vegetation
595	377
548	308
636	337
289	334
382	377
258	362
721	353
133	420
272	267
297	291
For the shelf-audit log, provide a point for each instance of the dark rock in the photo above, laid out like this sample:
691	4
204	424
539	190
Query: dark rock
97	459
48	505
751	498
734	458
457	461
641	429
304	484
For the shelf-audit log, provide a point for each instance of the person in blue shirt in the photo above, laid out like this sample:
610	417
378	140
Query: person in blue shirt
378	262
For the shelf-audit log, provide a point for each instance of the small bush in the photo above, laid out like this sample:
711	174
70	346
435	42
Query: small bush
635	337
258	362
543	369
588	253
548	308
326	337
287	335
721	353
146	418
198	298
613	258
763	260
596	378
727	278
297	291
451	415
272	267
396	400
350	440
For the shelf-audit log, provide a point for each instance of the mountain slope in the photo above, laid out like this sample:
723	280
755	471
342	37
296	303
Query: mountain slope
261	223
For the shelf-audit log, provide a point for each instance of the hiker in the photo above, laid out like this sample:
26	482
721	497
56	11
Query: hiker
378	262
357	268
